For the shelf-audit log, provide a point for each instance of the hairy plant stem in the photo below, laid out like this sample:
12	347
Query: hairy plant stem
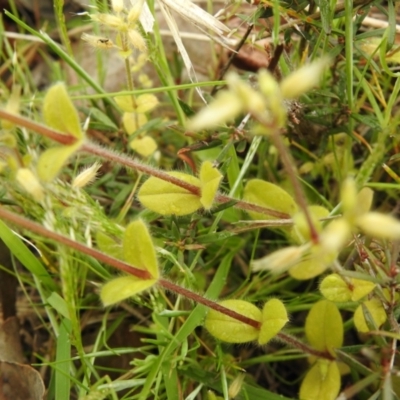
128	162
121	265
294	342
43	130
142	274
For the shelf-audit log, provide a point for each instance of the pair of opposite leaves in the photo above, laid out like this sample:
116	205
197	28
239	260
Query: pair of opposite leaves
138	250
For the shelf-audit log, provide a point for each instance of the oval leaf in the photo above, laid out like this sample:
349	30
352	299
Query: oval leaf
210	178
146	103
60	113
127	103
51	161
268	195
322	381
145	146
230	330
376	315
109	245
274	318
123	287
138	248
361	288
166	198
334	288
133	121
324	326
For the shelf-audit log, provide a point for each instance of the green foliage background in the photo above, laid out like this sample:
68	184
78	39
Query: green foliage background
154	344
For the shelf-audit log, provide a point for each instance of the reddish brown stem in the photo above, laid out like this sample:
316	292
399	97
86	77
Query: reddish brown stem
134	164
208	303
57	136
40	230
128	162
122	266
294	342
131	163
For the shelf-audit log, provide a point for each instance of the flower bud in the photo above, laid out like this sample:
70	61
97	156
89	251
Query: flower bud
279	261
225	107
252	101
348	195
379	225
117	5
30	183
304	79
236	386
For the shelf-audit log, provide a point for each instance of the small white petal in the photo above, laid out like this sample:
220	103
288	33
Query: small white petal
379	225
225	107
304	79
280	260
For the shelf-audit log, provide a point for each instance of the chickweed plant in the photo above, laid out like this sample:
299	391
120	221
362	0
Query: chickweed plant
173	244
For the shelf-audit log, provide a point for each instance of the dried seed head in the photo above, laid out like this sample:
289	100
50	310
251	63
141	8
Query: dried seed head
117	5
86	176
98	41
111	21
135	11
137	40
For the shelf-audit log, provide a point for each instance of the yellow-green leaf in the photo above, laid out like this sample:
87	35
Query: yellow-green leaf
274	318
268	195
230	330
123	287
210	178
138	248
166	198
146	103
51	161
59	112
361	288
127	103
334	288
376	313
140	104
109	245
145	146
322	381
314	264
324	326
133	121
